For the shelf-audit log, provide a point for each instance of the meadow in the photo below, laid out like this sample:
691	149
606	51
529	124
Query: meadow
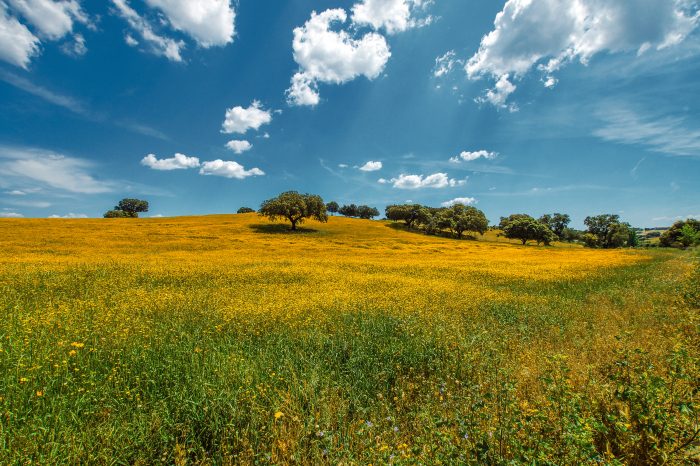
228	339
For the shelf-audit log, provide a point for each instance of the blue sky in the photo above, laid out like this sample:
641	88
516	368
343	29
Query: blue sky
582	107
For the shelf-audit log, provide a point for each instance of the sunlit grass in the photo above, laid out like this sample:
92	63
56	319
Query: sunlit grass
229	339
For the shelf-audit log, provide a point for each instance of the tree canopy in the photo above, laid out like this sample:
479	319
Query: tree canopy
245	210
460	218
607	231
682	234
332	207
127	208
295	208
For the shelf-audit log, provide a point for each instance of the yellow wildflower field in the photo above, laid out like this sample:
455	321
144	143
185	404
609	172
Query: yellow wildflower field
229	339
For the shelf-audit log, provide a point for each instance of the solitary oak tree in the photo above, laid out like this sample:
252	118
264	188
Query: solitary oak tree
127	208
294	207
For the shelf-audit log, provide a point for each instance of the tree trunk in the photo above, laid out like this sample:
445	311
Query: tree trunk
294	225
524	241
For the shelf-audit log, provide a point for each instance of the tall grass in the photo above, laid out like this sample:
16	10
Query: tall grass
210	341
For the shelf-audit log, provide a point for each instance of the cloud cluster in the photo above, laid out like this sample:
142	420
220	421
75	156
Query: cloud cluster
329	56
391	15
239	146
459	200
176	162
547	34
69	215
228	169
435	181
468	156
209	22
224	168
24	24
11	215
371	166
239	119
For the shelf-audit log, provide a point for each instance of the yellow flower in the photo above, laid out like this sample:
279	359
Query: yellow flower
72	352
23	380
39	393
278	415
75	344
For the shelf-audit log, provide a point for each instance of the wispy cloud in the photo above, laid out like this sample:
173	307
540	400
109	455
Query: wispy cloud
666	134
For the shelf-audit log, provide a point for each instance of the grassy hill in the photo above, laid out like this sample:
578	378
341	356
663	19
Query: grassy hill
228	339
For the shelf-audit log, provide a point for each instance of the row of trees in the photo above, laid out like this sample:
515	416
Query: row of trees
458	219
352	210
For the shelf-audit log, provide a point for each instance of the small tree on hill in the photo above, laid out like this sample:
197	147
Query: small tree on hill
557	223
367	212
245	210
295	207
407	213
332	207
127	208
460	218
523	227
349	211
606	231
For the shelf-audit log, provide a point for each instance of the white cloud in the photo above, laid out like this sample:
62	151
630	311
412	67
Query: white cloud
436	180
11	215
391	15
328	56
50	169
228	169
53	19
16	192
499	94
382	181
159	45
239	146
17	43
371	166
459	200
468	156
77	48
209	22
176	162
130	41
548	34
342	165
666	134
69	215
444	64
239	119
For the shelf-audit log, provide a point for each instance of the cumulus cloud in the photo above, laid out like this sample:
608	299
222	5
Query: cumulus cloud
371	166
11	215
468	156
436	180
209	22
228	169
547	34
240	120
391	15
239	146
459	200
50	169
51	20
158	44
69	215
176	162
329	56
17	43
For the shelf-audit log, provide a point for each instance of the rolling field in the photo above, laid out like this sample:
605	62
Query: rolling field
228	339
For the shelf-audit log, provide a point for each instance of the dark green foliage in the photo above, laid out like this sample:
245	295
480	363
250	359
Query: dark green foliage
115	214
332	207
525	228
460	218
556	222
295	207
245	210
367	212
682	234
127	208
407	213
606	231
349	210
